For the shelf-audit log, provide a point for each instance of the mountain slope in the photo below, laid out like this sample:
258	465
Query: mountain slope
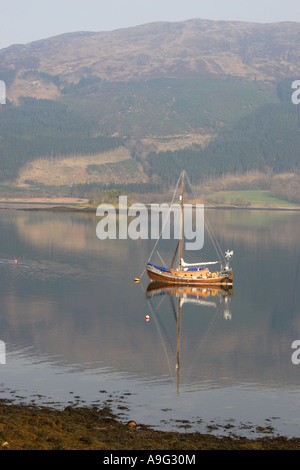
194	48
109	103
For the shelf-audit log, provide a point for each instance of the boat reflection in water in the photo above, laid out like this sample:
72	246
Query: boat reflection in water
217	297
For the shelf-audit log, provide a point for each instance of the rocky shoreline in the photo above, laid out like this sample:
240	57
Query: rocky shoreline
30	427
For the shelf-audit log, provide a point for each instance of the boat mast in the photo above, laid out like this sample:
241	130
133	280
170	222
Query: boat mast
181	235
178	341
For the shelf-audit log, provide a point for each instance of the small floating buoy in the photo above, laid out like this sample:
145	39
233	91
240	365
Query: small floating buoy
147	318
136	279
132	424
15	260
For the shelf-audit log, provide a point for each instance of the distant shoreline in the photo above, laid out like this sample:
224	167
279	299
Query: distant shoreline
44	201
82	205
75	208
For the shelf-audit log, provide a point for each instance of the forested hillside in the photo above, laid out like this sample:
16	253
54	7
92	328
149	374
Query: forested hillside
269	138
165	107
95	116
129	109
39	128
254	129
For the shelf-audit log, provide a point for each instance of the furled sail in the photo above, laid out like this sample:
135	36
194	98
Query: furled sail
184	264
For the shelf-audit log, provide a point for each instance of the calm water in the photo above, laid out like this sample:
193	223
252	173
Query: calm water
75	328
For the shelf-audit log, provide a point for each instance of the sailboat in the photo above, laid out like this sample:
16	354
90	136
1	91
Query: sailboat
191	274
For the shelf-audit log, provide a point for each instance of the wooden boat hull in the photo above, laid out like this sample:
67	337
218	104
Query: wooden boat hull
188	278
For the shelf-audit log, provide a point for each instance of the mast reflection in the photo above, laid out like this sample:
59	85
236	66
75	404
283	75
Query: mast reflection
215	297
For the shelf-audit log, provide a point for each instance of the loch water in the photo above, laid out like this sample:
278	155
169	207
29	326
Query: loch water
76	329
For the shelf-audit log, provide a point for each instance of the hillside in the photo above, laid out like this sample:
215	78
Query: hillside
161	108
195	48
129	108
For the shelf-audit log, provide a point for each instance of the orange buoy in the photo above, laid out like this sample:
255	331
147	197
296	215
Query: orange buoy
131	424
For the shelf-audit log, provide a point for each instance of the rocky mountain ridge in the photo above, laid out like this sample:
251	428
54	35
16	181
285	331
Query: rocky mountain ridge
187	49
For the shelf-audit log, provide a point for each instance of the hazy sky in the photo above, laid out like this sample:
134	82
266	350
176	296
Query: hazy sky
24	21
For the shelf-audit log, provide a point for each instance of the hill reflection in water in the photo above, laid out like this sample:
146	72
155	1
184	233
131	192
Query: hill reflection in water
72	318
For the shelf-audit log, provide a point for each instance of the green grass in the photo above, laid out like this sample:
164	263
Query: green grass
253	198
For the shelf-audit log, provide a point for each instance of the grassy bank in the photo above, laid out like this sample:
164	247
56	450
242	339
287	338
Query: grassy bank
255	198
